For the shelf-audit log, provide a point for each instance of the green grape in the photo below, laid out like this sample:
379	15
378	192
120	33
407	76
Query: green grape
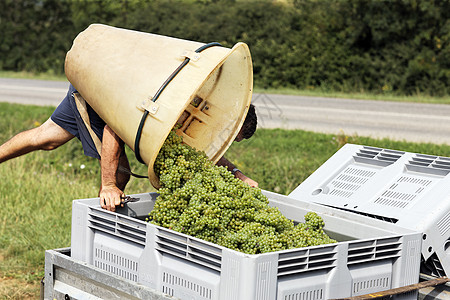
206	201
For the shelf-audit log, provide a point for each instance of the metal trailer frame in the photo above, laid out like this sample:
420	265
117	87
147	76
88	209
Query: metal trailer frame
68	278
439	292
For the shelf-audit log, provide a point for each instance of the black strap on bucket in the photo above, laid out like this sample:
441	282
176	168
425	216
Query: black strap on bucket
158	93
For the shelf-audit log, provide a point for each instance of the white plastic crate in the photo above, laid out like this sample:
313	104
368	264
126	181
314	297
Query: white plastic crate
406	189
370	256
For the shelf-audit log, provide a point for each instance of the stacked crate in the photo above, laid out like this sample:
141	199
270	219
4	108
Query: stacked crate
409	190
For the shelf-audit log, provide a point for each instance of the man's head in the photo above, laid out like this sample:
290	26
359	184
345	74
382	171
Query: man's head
249	126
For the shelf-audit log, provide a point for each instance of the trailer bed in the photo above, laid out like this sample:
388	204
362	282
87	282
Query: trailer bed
67	278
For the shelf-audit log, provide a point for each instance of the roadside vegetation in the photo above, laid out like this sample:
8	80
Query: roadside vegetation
37	189
375	47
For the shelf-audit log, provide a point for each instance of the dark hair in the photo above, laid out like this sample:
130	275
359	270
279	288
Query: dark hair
250	122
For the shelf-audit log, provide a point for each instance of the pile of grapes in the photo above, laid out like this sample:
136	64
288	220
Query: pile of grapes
206	201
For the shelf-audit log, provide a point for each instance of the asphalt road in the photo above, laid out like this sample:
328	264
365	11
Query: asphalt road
414	122
29	91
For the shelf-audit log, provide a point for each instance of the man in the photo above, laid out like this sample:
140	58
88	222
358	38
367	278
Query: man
66	123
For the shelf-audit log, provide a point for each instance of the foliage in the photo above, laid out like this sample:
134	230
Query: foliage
399	45
382	46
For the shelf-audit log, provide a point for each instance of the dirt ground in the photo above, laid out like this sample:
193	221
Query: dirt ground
13	288
16	288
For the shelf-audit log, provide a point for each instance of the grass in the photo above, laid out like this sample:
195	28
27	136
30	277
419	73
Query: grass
37	189
36	193
29	75
385	96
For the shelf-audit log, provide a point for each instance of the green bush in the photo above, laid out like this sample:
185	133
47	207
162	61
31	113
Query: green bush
377	46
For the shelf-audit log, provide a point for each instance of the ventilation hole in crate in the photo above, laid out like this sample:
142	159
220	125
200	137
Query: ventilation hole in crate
115	264
382	218
300	261
430	164
307	295
377	156
173	244
403	191
349	181
370	285
362	252
167	290
170	281
444	224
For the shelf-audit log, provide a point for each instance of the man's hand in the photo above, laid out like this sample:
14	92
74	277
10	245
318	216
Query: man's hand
110	197
246	179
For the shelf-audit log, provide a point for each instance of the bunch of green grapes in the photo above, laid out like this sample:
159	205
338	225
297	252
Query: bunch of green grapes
206	201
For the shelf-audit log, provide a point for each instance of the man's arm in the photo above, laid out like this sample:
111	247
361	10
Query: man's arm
112	147
237	173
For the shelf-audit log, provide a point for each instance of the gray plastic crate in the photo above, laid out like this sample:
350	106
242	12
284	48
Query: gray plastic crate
370	256
406	189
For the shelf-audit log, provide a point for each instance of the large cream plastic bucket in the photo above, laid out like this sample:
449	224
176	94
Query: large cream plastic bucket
119	71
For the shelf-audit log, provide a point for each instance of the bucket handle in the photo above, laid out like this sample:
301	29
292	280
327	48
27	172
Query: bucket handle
158	93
